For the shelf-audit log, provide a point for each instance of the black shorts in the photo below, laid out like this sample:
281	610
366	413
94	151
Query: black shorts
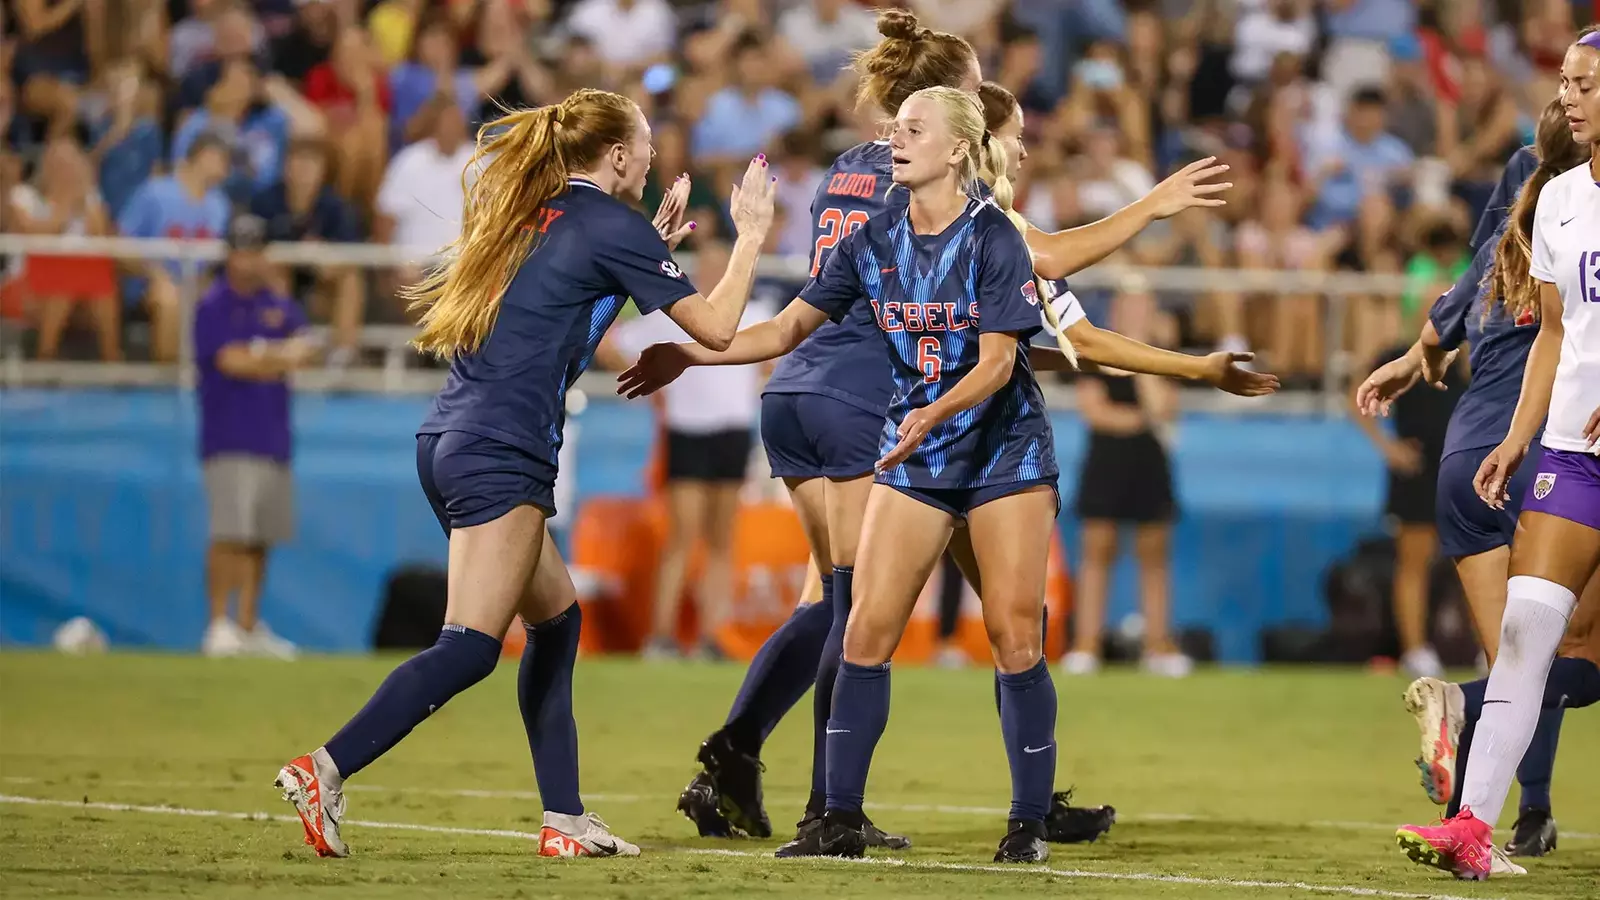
817	436
1126	479
714	456
470	480
1411	499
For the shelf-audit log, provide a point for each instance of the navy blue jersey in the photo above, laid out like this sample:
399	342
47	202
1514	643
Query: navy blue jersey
844	360
1498	346
930	297
593	252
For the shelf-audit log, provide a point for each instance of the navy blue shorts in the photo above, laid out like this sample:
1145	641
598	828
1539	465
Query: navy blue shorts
1468	526
960	501
471	480
816	436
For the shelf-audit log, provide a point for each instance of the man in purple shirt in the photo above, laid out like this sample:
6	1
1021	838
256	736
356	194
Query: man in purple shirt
247	340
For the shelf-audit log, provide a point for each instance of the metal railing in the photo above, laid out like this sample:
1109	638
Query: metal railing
398	374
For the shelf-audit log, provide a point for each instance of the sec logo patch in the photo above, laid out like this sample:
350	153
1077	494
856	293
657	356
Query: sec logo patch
1030	293
1543	485
670	269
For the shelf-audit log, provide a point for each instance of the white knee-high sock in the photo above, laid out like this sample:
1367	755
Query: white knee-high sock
1535	619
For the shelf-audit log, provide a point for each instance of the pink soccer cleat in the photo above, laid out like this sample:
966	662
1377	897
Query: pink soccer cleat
1461	845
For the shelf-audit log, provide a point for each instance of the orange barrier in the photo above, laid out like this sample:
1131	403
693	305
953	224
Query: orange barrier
616	542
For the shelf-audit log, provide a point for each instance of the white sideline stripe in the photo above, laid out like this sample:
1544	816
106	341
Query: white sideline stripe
929	865
937	808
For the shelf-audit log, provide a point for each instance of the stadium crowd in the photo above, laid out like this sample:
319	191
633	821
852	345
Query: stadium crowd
1364	135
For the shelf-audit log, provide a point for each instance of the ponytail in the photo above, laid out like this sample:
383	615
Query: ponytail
998	106
522	161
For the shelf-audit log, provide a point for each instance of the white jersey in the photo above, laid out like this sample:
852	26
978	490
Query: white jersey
1566	253
704	399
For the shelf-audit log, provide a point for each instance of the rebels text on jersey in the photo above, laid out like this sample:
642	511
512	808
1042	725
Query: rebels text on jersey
592	253
844	360
930	297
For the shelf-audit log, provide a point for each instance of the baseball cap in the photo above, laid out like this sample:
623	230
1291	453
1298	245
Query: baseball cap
247	232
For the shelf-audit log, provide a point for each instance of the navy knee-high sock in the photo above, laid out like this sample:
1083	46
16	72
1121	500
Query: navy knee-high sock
1539	762
544	695
827	676
459	659
1028	721
783	670
1045	628
860	713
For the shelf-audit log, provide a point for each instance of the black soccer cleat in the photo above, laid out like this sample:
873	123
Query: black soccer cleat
699	804
1023	843
877	837
1068	824
1533	835
834	834
737	778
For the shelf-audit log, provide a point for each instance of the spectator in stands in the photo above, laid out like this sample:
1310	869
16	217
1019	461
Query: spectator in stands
1126	479
433	66
247	341
419	205
709	427
256	133
1276	239
235	38
1101	98
309	41
1266	29
393	26
826	32
63	201
627	34
1108	177
1478	133
1441	258
214	31
188	204
1363	163
52	57
750	113
351	90
1359	35
303	207
799	176
129	141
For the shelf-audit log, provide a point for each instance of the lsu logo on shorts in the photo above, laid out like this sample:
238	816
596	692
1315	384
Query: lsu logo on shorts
1543	485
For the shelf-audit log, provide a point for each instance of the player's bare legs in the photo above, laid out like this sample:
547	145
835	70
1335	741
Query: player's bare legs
1099	542
1011	541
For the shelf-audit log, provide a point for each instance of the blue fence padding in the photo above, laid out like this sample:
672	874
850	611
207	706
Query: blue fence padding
102	514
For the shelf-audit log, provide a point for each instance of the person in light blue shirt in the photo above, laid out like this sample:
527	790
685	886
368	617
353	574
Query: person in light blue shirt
1364	160
186	205
1373	20
434	57
255	133
749	113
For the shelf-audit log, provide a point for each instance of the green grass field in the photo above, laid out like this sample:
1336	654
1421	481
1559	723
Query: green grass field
151	776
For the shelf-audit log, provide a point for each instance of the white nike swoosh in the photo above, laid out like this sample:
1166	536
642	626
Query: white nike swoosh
1036	749
837	730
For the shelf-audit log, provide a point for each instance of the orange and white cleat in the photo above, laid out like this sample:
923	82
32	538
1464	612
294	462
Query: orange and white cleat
585	835
320	806
1440	711
1462	845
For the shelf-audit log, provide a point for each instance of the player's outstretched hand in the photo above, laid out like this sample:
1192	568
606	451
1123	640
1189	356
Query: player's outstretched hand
752	201
913	428
669	218
1591	431
1189	187
1377	394
658	366
1224	373
1496	471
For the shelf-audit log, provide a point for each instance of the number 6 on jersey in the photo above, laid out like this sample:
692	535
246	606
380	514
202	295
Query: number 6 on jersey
930	358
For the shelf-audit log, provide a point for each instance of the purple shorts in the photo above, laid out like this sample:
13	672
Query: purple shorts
1566	484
